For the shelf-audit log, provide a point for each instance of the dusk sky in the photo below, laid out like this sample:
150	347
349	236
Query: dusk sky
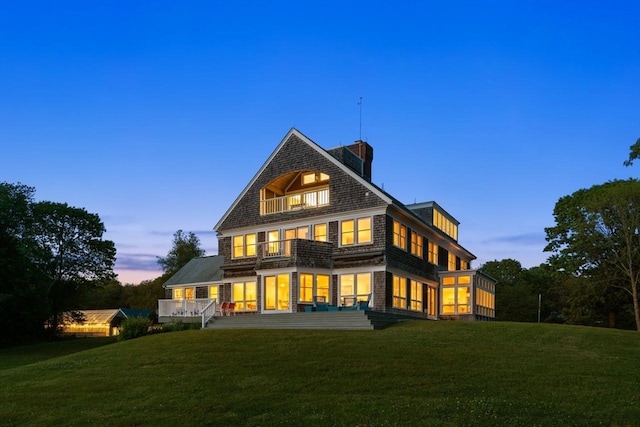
155	115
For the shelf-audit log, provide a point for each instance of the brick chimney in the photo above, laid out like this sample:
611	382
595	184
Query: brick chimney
363	150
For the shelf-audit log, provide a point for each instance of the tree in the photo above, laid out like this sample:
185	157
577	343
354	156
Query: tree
185	248
597	237
22	309
516	300
68	250
634	153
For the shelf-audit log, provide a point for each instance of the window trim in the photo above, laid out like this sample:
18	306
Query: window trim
314	286
356	231
417	247
399	236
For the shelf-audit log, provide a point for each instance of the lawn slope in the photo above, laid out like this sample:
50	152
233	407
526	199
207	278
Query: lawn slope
416	373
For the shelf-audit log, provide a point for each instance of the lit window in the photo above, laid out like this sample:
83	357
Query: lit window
415	296
456	299
308	178
189	293
399	235
320	232
463	299
244	246
445	225
245	296
213	292
432	302
355	286
276	292
452	262
178	293
306	287
310	287
416	244
399	292
250	244
364	230
238	246
433	253
314	177
464	280
273	242
348	232
355	231
302	232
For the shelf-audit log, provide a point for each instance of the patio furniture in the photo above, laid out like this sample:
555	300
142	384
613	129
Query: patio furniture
320	303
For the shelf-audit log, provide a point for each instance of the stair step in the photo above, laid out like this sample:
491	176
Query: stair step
344	320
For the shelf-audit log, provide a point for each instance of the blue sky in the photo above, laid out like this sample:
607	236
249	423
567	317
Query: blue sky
155	115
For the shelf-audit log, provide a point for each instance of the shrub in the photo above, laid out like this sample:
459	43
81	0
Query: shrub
134	327
179	326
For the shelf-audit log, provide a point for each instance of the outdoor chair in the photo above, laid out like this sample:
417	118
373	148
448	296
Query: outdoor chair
320	303
363	304
231	308
349	303
221	308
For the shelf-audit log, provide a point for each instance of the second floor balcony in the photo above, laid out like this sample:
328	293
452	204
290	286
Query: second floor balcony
295	252
295	201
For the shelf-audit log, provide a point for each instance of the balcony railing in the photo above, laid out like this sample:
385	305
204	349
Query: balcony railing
277	248
182	307
294	202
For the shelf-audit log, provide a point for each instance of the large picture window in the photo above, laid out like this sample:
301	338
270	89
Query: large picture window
456	294
313	285
355	231
276	292
245	296
355	286
244	245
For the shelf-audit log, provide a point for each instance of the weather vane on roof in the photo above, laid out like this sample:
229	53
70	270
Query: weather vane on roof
360	104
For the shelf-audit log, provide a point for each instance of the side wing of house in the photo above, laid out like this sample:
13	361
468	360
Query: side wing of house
189	291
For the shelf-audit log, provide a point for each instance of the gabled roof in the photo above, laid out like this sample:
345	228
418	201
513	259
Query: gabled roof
198	270
293	131
101	316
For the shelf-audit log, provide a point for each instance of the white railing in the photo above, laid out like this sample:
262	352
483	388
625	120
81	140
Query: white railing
182	307
208	312
294	202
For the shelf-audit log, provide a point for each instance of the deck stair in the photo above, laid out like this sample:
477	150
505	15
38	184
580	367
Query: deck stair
344	320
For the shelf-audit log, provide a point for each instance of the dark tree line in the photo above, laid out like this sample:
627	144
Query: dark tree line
50	254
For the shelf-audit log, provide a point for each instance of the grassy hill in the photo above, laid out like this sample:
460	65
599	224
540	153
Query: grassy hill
416	373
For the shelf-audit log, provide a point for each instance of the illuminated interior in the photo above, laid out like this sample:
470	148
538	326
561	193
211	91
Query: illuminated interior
313	285
295	190
458	290
244	295
355	231
444	224
276	292
355	285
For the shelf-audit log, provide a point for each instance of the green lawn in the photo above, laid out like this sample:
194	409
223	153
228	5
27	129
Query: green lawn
416	373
